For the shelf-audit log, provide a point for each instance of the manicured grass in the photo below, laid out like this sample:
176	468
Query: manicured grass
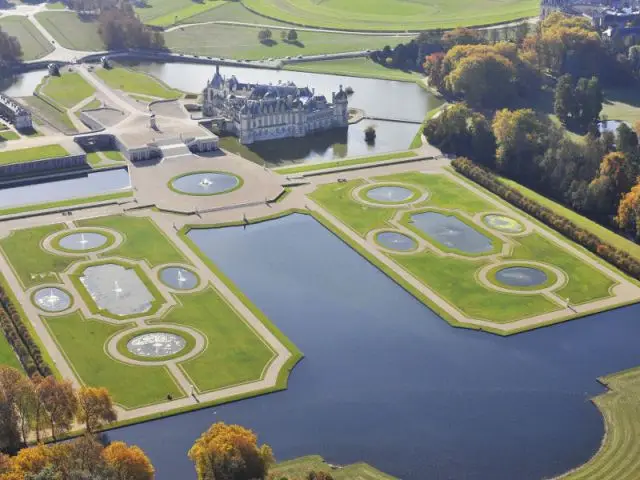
7	355
71	31
619	455
33	153
300	467
417	140
68	89
604	233
51	114
343	163
83	343
168	12
135	82
358	67
622	104
235	353
394	14
95	159
242	42
114	155
24	252
143	239
56	6
336	197
33	43
92	105
8	135
66	203
585	283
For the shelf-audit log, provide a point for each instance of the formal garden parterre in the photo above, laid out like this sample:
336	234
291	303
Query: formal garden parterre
120	320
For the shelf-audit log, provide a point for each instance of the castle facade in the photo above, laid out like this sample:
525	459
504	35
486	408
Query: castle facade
258	112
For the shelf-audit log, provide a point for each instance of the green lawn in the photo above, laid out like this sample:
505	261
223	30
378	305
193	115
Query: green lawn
7	355
167	12
143	239
96	159
93	104
83	342
33	43
8	135
344	163
71	31
22	248
52	115
622	104
68	89
242	42
395	15
357	67
300	467
604	233
66	203
135	82
231	342
455	278
33	153
619	455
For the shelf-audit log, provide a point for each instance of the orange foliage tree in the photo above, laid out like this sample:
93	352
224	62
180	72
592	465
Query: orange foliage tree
128	463
95	407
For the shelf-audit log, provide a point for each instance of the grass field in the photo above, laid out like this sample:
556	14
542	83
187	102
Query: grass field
232	342
22	247
71	31
135	82
7	355
344	163
619	456
83	341
8	135
242	42
143	240
356	67
168	12
454	278
52	115
396	15
33	153
68	89
33	43
300	467
622	104
67	203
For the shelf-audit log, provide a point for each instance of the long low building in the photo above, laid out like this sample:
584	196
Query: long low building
15	113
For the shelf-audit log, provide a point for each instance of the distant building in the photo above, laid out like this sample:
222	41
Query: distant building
603	14
15	113
264	112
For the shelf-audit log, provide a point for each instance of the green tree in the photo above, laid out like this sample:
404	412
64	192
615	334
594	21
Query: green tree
264	35
292	35
564	103
627	140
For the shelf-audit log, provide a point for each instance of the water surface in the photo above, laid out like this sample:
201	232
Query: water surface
452	232
386	381
521	276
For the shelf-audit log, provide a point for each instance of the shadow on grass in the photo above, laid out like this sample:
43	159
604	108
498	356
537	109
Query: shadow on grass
629	96
295	43
268	42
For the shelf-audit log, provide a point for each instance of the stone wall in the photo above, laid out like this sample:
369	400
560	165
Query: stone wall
44	166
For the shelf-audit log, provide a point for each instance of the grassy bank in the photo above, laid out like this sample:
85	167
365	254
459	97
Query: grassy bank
31	154
357	67
343	163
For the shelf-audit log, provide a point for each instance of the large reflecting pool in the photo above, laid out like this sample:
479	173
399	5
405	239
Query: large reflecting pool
452	232
64	188
386	381
378	98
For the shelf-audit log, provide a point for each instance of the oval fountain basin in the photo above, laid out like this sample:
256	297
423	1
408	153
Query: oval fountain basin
83	241
205	183
52	299
156	344
521	276
452	232
389	194
396	241
503	223
179	278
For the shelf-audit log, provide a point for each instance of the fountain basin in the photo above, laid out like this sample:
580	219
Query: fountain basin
391	194
179	278
156	344
396	241
52	299
205	183
521	276
84	241
502	223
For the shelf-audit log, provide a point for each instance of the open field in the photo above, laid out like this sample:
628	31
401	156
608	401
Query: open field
71	31
242	42
619	455
33	43
33	153
67	90
394	15
356	67
453	273
168	12
300	467
135	82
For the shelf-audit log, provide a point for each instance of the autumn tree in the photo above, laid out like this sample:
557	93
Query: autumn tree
628	214
461	36
615	178
230	452
60	403
128	463
95	407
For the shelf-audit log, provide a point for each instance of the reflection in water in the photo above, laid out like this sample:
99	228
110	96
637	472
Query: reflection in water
22	85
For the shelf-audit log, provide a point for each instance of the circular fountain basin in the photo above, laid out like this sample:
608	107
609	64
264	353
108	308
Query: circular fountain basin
79	242
396	241
179	278
503	223
389	194
205	183
156	344
521	276
52	299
